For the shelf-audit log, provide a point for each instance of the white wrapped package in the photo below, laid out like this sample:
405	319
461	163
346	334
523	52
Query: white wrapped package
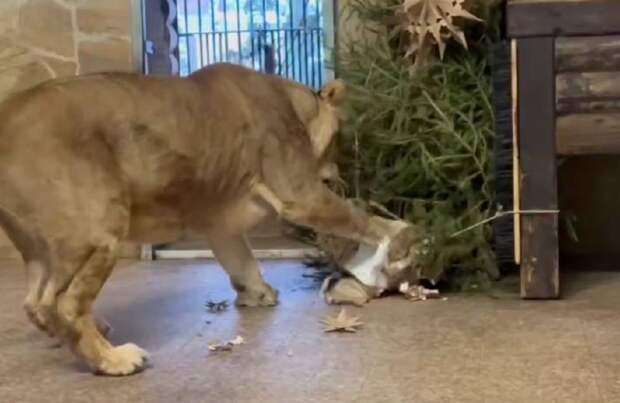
367	264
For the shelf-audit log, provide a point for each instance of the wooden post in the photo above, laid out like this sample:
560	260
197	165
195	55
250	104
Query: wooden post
516	183
536	110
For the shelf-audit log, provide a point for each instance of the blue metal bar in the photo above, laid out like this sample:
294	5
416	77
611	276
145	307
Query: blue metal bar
200	33
312	81
272	54
279	61
206	34
240	52
187	50
291	38
225	30
264	10
320	38
305	34
219	38
259	45
252	33
286	64
213	30
298	61
263	49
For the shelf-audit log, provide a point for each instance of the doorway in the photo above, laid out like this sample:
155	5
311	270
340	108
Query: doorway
283	37
290	38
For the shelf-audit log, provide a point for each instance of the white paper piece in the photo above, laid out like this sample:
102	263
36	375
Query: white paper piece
237	340
368	263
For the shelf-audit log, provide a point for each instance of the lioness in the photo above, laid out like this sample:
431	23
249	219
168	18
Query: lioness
89	161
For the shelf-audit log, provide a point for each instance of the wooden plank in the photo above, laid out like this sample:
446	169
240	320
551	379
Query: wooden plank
587	53
588	105
516	183
536	106
588	85
588	92
562	18
583	134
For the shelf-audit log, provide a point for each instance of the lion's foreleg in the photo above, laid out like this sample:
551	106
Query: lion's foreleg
327	213
235	256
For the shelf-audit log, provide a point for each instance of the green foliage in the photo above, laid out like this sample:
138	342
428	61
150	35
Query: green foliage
421	145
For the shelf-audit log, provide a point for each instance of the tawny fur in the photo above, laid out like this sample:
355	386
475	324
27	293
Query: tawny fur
90	161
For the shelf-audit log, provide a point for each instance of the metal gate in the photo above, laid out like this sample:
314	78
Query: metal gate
284	37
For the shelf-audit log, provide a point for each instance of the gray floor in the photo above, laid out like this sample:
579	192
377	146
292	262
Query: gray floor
465	349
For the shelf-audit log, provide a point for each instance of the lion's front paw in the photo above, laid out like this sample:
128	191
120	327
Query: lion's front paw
126	359
263	295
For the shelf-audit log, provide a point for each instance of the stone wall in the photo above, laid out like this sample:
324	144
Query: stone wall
43	39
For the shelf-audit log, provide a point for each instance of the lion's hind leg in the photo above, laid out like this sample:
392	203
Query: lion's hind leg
35	253
37	273
76	323
41	298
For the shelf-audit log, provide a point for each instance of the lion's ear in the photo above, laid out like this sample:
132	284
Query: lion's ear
333	92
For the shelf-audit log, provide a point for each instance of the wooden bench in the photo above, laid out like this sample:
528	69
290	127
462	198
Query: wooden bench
566	57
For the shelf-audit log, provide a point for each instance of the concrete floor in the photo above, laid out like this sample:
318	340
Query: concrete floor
465	349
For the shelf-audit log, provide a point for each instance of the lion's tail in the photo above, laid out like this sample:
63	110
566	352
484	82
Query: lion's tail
29	243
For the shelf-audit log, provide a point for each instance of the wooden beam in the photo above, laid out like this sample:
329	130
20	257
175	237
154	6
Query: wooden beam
516	183
588	92
593	133
536	109
528	18
587	53
588	105
588	85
